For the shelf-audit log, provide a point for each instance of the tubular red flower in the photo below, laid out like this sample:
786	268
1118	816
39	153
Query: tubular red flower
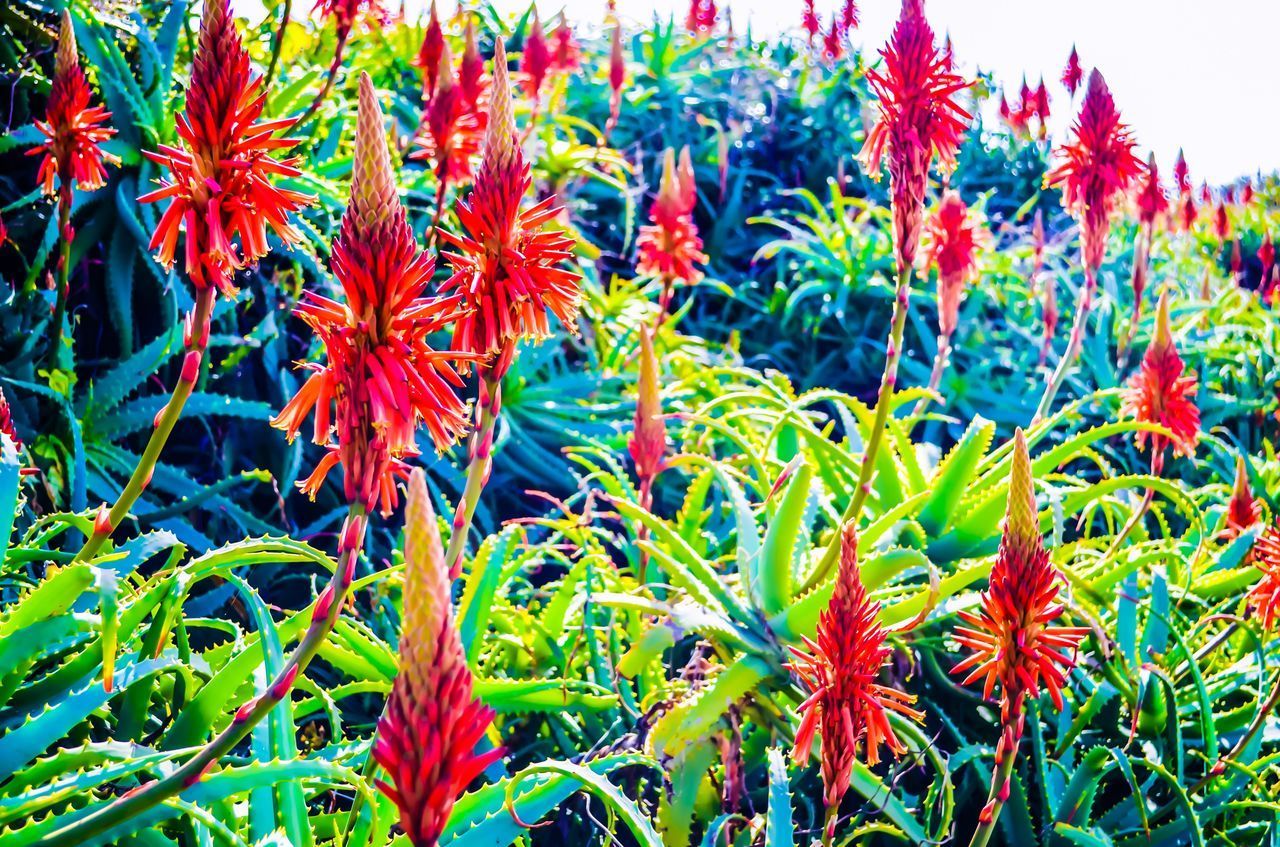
219	184
72	128
951	241
382	380
535	61
1073	73
1243	511
567	56
918	119
454	130
427	736
1095	169
648	443
506	268
847	708
1151	200
833	43
1161	393
1264	596
1014	641
809	21
669	247
428	58
1181	175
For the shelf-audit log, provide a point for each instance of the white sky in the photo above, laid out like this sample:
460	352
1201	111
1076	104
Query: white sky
1185	73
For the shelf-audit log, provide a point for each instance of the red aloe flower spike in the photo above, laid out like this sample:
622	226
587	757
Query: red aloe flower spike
919	118
1151	203
219	186
8	430
669	246
1181	174
1222	223
220	191
382	380
1050	315
72	128
1187	212
506	266
846	707
648	442
471	75
454	133
1042	109
1095	169
535	61
1162	393
848	16
1243	511
1014	641
428	58
567	56
1246	195
1267	256
427	736
1037	247
617	78
1073	73
833	43
809	20
951	242
1206	194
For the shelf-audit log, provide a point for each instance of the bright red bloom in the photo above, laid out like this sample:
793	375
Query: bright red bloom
707	15
1246	194
919	118
1222	223
1095	169
1013	639
220	176
454	131
382	379
72	127
648	442
617	76
506	267
567	56
669	246
1264	596
1243	511
428	58
809	20
1181	175
1073	73
1187	212
1041	102
849	16
427	736
1206	195
535	61
847	708
7	428
1151	199
1162	393
951	242
1267	255
833	43
471	76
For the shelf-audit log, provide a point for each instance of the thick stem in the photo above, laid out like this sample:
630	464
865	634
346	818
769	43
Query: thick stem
323	617
893	354
935	376
642	533
1073	345
65	236
277	44
479	464
1006	756
197	339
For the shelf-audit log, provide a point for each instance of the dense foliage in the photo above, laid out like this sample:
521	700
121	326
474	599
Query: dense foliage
693	522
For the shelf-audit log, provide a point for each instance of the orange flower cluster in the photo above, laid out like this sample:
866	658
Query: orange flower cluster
72	128
669	247
919	118
1162	393
382	379
219	183
506	266
847	708
1014	640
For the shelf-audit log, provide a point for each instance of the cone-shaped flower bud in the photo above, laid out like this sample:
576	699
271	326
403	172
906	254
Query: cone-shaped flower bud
506	267
382	380
1073	73
471	76
617	75
918	119
72	128
7	428
847	708
809	21
219	186
535	60
669	246
566	55
648	444
1243	511
427	736
849	16
1095	169
1151	199
428	58
1163	393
